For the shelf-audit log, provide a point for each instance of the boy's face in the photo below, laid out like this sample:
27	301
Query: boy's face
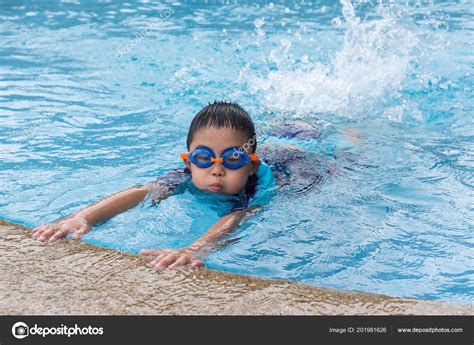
217	178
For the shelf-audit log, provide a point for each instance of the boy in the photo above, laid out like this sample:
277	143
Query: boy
221	159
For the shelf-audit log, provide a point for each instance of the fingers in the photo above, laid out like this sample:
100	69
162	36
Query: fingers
197	263
50	233
174	260
45	233
81	232
38	228
165	259
158	258
58	235
77	235
38	231
150	251
183	260
171	258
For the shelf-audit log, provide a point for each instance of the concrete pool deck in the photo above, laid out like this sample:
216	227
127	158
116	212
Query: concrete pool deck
74	278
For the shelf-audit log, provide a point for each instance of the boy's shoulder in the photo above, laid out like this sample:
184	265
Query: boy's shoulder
171	179
294	169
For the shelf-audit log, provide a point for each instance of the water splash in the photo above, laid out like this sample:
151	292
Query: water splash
368	70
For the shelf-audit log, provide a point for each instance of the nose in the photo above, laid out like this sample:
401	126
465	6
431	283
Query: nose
217	170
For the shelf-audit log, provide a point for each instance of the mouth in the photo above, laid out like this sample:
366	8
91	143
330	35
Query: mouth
216	187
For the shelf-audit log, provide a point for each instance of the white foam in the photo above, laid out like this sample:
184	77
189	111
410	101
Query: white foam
368	69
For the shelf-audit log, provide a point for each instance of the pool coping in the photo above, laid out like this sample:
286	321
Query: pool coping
75	278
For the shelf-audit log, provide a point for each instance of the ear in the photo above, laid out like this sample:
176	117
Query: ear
185	157
255	165
188	164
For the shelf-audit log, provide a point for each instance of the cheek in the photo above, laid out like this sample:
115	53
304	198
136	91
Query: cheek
239	177
198	176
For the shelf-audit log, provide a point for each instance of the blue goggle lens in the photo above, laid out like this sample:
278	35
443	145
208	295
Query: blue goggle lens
234	159
201	158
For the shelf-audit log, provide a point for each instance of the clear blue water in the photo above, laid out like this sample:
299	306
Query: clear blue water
98	96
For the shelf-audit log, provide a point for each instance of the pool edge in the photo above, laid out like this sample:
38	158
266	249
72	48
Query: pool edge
75	278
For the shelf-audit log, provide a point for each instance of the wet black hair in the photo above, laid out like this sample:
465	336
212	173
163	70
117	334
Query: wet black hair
222	114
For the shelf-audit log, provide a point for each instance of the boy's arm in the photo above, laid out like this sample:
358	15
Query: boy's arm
192	254
112	205
82	221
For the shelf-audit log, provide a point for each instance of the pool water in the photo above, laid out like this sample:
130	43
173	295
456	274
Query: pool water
98	96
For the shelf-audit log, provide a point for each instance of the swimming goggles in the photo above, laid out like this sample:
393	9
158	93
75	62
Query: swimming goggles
231	158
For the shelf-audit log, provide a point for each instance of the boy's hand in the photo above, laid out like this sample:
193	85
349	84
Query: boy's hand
172	258
57	230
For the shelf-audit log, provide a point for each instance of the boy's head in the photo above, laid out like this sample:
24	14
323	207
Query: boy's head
218	127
